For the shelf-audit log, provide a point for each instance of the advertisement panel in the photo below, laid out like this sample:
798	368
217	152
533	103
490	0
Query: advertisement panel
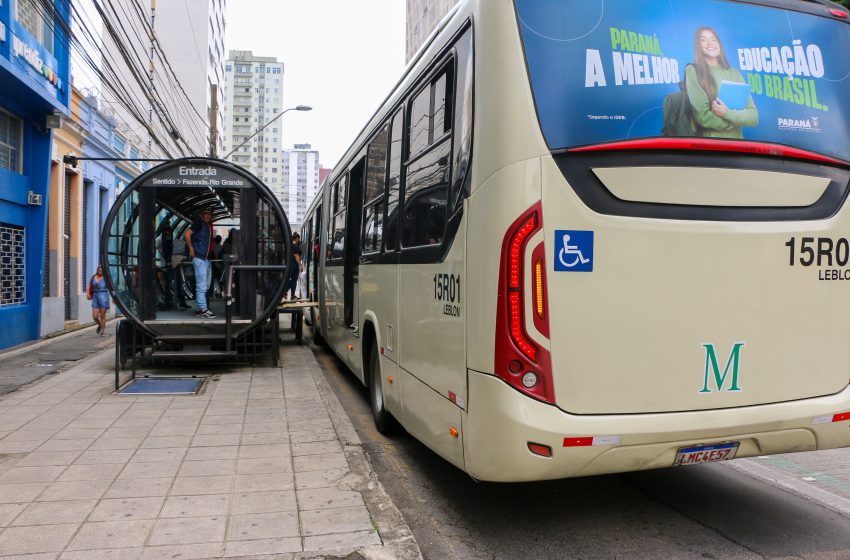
609	70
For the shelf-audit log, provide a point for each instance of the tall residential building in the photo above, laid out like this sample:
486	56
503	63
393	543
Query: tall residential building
253	96
188	61
422	18
300	182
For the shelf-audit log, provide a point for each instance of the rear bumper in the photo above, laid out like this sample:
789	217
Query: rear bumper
500	422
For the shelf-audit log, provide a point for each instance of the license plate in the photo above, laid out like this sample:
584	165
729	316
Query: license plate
706	453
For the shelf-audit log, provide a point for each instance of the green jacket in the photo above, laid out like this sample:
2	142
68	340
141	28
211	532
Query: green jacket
709	124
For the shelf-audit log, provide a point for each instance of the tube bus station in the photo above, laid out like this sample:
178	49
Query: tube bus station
151	277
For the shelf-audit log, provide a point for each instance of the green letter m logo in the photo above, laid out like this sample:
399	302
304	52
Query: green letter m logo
720	378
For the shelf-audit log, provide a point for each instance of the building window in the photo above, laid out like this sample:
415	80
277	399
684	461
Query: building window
13	289
37	21
11	129
119	144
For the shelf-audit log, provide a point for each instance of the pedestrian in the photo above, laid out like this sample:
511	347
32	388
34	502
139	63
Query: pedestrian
165	246
179	254
294	267
217	267
99	296
199	241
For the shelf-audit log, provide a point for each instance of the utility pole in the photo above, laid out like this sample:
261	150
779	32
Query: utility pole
150	75
213	120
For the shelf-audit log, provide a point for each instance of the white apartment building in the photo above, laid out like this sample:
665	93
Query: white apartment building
253	96
191	36
422	18
300	182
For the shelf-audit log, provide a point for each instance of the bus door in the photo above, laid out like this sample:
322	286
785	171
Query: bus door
315	244
352	245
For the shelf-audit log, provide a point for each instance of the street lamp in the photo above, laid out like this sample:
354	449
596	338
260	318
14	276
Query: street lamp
296	108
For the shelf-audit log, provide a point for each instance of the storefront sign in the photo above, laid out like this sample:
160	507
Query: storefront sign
33	58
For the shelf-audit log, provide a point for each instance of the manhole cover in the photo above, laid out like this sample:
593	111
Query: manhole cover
163	386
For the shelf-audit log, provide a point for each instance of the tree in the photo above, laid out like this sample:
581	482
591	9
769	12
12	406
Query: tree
845	3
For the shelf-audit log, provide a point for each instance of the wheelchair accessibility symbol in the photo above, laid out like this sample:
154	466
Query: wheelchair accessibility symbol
573	251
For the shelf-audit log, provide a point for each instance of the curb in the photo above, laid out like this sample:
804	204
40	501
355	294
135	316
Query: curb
396	536
48	339
792	485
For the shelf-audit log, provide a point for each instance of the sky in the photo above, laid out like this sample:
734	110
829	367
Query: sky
341	57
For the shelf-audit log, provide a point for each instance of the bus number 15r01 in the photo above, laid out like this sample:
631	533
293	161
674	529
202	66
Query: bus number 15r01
819	251
447	288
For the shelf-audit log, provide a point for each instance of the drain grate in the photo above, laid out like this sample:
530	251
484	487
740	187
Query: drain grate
163	386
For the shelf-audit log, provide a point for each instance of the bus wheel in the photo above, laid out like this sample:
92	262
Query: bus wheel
384	421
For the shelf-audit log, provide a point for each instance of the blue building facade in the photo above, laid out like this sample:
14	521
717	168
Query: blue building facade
34	84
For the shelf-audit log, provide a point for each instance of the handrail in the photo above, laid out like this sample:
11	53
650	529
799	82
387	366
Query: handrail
228	292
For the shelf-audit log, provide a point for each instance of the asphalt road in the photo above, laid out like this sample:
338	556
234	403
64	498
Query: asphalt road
697	512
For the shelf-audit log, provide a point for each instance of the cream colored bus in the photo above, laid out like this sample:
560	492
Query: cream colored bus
600	236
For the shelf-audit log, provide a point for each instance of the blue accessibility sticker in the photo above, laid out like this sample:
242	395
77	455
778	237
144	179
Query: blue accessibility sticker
573	251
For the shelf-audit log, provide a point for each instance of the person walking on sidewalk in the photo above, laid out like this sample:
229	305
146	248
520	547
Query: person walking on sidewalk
99	296
199	240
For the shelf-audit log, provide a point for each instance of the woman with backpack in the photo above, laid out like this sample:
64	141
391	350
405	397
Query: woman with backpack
712	117
99	296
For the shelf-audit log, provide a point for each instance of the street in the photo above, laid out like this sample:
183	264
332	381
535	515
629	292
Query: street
701	512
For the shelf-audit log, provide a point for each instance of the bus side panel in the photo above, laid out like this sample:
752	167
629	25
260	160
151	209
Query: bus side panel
432	343
379	296
429	417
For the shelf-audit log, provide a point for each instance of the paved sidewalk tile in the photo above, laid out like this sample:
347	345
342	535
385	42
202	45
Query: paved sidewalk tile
203	505
188	530
196	485
337	520
76	490
262	547
51	513
111	534
183	552
262	526
31	540
117	509
341	540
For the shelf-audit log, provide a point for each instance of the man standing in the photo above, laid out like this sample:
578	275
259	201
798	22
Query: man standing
294	267
199	240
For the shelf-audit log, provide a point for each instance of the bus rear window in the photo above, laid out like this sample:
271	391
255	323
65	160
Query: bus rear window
611	70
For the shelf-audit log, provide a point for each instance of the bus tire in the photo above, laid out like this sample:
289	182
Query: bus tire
384	421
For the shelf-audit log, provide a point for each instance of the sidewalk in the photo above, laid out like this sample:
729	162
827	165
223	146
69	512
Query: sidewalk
263	463
29	362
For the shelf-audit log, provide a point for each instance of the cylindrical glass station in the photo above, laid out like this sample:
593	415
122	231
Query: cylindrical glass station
245	244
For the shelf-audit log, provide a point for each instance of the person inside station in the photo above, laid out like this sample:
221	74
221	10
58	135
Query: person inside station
200	241
165	247
294	267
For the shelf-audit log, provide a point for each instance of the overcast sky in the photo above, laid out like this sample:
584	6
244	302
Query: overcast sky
341	57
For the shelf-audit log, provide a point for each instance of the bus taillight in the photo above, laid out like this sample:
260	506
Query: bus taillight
519	360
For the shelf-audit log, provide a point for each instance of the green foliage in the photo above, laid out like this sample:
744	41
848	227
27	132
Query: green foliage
845	3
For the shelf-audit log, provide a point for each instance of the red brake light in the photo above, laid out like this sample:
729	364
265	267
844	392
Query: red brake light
838	13
519	360
713	145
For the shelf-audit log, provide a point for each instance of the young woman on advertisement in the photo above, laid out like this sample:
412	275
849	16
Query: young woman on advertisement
704	77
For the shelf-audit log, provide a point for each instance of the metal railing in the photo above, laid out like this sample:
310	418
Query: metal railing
228	292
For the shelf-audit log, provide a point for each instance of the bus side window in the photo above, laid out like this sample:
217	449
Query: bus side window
396	141
376	182
337	240
427	176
